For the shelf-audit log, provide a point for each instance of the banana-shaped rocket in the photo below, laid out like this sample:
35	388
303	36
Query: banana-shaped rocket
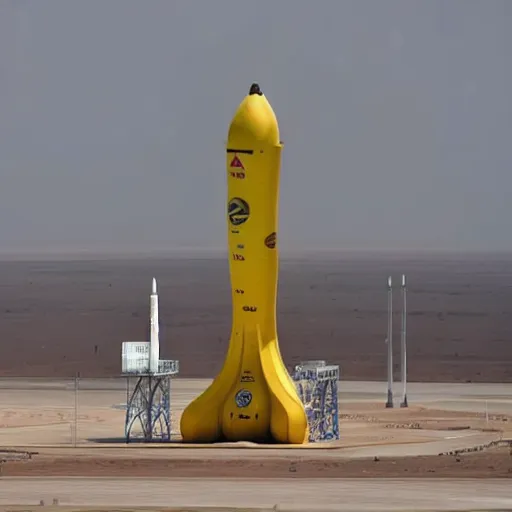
253	398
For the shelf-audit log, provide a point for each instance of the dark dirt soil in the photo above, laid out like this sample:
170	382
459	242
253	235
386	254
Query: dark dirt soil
59	318
495	463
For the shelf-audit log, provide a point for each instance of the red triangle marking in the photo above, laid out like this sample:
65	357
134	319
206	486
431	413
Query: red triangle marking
237	163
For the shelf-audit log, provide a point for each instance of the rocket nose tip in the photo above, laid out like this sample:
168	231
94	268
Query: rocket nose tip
255	89
153	285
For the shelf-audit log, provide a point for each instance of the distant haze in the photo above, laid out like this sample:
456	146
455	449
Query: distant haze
396	118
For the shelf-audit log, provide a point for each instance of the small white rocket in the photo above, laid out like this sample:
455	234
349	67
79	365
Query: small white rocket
154	336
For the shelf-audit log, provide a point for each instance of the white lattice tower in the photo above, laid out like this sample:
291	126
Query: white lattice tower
148	400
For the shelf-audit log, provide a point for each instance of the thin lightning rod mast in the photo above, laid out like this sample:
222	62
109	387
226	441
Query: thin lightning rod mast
404	343
389	403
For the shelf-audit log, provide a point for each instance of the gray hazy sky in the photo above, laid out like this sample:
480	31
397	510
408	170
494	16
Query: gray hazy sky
396	118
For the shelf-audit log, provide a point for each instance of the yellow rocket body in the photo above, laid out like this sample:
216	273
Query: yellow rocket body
253	398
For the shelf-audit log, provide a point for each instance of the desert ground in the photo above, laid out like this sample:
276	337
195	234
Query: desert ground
449	450
63	317
52	450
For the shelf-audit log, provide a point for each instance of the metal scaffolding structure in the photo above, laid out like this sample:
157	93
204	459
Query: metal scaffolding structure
148	411
148	395
317	385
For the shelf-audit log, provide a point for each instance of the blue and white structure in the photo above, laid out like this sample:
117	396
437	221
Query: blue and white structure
317	385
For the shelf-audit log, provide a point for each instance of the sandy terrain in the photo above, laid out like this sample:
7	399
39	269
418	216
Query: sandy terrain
58	318
39	416
41	412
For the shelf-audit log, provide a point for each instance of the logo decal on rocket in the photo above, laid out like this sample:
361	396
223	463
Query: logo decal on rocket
238	211
247	376
243	398
271	240
237	163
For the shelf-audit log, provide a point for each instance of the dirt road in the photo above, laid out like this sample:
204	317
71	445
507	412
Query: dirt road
288	494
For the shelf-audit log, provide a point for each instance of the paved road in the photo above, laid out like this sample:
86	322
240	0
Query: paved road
295	494
447	441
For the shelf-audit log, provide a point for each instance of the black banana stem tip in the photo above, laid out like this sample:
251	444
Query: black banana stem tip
255	89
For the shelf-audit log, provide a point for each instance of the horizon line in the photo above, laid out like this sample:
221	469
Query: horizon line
67	253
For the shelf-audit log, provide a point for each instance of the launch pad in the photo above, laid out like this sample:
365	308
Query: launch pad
148	383
148	390
148	394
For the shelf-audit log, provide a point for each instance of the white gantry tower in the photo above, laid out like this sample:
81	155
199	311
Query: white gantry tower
148	384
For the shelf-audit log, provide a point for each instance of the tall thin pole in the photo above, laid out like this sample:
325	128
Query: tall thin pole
404	344
75	440
389	403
